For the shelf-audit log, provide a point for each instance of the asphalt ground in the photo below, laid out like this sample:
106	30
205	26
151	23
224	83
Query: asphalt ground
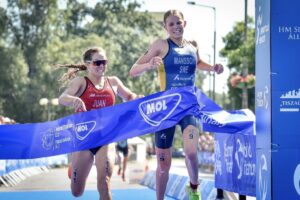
54	184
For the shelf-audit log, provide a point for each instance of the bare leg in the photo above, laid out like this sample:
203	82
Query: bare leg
81	165
162	172
104	165
190	142
119	161
124	167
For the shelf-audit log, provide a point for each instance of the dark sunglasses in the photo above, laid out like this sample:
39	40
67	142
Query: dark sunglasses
99	62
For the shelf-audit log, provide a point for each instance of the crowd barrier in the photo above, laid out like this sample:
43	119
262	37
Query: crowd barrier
177	184
206	158
235	162
235	169
14	171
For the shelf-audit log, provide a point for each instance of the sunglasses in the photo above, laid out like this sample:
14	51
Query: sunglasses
99	62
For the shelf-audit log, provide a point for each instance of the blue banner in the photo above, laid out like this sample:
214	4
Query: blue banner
235	161
278	99
263	89
262	73
285	50
285	65
86	130
263	171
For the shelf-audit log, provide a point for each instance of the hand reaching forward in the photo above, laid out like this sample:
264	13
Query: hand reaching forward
155	62
78	105
218	68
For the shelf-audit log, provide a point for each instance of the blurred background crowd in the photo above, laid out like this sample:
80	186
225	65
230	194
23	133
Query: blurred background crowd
6	120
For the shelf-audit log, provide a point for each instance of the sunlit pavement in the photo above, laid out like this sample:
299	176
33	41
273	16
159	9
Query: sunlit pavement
178	167
55	184
134	194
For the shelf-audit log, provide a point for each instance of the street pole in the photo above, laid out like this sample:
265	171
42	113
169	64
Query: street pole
48	103
209	78
245	67
245	73
215	39
214	42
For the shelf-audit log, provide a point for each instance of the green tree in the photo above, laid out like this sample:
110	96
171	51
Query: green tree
118	27
28	31
29	23
75	16
235	50
13	73
132	31
3	24
13	83
37	35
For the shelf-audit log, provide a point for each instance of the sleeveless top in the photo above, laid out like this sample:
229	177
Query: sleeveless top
97	98
179	66
122	143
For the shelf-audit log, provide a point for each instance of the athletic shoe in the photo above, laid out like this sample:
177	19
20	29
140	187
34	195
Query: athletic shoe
192	194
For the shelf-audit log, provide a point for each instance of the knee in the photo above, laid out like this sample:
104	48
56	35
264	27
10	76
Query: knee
163	166
77	193
77	189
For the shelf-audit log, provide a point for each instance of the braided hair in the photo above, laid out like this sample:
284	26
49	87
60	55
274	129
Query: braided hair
73	69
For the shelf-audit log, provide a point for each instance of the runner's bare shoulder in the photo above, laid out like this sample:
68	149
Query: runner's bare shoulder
160	47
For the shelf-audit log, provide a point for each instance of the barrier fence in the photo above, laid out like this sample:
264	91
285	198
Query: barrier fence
235	163
14	171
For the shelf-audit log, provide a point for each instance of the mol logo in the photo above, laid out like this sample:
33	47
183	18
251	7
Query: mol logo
156	107
156	110
84	129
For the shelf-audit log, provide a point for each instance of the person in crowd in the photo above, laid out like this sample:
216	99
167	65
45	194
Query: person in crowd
85	93
176	60
122	157
1	119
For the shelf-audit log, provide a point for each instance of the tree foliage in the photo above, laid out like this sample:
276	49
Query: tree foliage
37	35
237	51
29	23
132	31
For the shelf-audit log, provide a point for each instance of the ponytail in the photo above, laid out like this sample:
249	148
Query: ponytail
73	69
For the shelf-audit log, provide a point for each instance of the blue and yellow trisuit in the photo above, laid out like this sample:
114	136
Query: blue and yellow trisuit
178	70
